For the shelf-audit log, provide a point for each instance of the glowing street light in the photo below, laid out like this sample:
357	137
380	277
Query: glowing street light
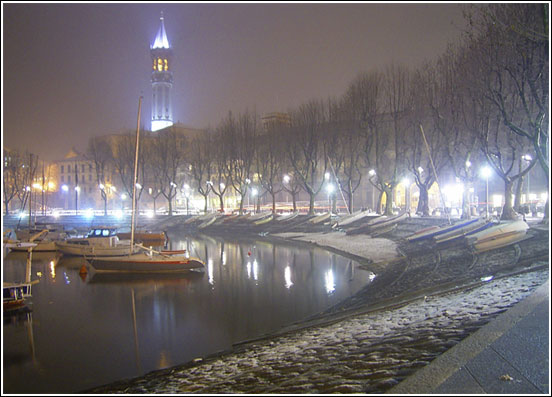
286	178
486	173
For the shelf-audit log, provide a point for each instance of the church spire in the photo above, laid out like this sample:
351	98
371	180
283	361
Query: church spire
161	80
161	40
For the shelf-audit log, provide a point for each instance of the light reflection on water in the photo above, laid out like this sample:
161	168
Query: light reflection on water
95	329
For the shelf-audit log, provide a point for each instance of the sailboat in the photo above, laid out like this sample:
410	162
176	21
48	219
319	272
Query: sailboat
147	260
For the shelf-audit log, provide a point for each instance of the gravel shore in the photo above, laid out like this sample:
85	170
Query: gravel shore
373	347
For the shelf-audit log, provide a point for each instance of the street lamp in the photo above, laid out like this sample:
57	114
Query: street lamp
209	188
527	158
406	184
486	173
371	174
330	188
254	192
77	190
187	194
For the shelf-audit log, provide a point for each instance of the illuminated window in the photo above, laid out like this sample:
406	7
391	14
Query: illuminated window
159	65
166	64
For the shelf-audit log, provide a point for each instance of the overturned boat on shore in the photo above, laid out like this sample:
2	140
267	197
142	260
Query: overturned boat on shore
377	224
498	236
434	231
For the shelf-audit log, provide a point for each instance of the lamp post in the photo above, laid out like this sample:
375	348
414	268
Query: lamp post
254	192
406	184
330	188
527	158
77	190
371	174
247	182
209	188
486	173
286	180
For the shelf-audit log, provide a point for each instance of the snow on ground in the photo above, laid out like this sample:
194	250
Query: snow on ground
368	353
374	249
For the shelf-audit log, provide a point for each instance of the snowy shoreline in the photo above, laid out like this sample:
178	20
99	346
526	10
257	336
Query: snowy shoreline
361	353
373	249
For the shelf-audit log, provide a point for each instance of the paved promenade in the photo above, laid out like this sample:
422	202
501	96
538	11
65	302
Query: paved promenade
510	355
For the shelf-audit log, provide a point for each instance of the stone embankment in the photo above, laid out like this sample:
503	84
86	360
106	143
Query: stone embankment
422	301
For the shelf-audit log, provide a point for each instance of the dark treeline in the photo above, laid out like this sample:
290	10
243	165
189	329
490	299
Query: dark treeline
484	101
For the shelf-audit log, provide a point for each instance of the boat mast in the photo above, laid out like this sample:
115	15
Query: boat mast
135	177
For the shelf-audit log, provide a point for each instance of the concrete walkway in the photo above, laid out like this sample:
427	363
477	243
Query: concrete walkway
510	355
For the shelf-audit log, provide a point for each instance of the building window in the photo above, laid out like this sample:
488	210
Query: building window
68	178
82	168
90	167
62	178
68	168
62	169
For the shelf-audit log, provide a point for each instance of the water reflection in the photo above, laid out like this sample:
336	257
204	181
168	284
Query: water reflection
115	326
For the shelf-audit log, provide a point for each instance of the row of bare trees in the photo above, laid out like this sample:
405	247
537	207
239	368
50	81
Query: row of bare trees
484	101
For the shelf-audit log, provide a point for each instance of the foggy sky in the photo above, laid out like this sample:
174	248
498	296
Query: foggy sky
71	71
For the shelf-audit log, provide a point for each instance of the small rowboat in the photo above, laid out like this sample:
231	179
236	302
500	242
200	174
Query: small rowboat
440	230
260	215
264	220
472	228
320	218
500	241
208	222
497	231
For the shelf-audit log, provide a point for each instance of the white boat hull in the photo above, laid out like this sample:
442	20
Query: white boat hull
143	263
41	246
91	250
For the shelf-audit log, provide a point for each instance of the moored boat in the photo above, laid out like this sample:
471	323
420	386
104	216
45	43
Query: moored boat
145	262
287	217
320	218
145	237
100	241
499	241
431	232
259	216
379	222
474	227
499	235
262	221
209	221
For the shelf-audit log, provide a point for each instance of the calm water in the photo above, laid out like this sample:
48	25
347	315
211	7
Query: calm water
83	333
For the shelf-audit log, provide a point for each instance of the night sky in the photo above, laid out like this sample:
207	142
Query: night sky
72	71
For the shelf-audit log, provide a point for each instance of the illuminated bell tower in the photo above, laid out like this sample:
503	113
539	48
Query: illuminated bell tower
161	80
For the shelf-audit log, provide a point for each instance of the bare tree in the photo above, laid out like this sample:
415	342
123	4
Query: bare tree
511	42
239	137
363	100
99	153
269	160
10	175
201	161
168	147
308	147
